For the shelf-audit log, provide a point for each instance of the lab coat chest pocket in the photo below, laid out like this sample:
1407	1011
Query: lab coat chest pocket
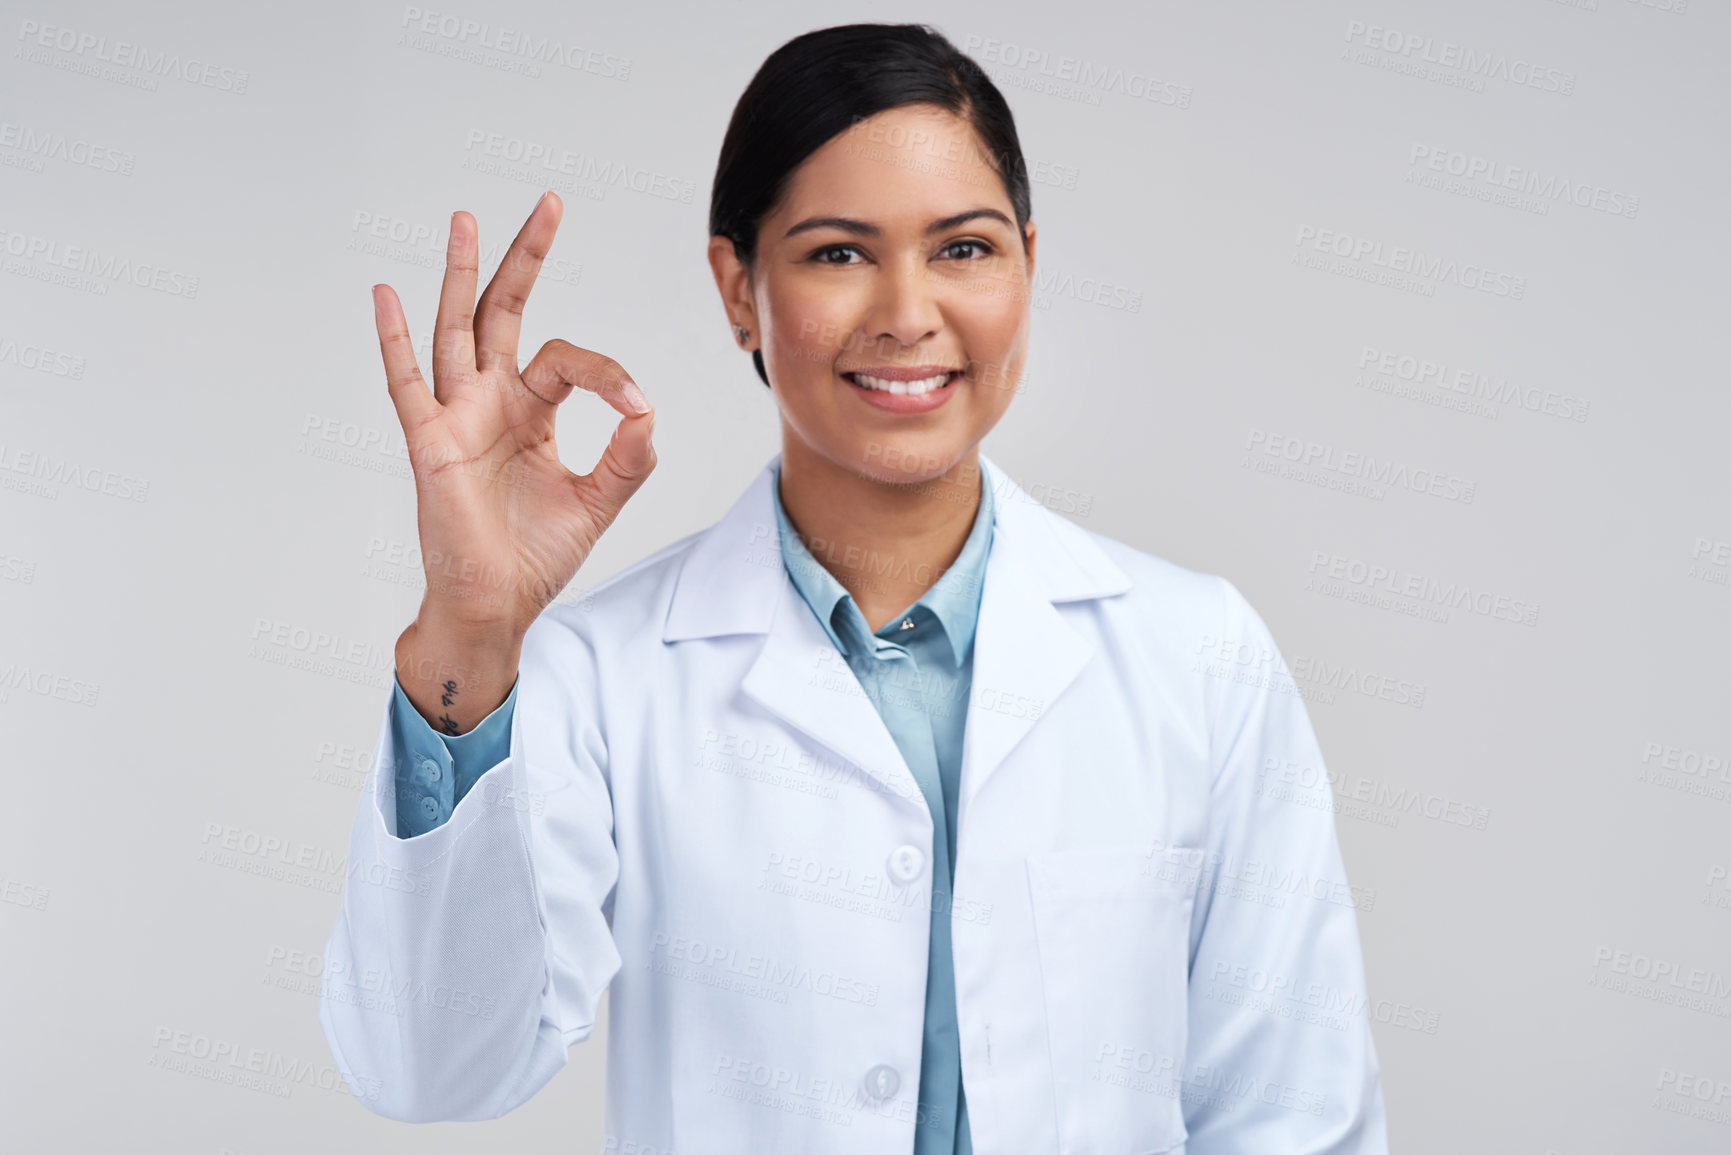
1113	928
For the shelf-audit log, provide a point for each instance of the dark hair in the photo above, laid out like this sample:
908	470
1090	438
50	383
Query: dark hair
817	86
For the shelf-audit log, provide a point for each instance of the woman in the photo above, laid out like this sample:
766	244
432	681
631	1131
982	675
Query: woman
896	812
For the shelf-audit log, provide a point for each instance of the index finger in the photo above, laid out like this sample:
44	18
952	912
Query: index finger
499	316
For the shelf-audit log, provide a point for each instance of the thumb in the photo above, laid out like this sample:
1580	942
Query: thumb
625	464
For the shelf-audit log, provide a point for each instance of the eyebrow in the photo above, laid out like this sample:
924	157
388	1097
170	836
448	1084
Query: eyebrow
863	229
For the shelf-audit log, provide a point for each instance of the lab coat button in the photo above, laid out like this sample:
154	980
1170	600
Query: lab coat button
906	863
881	1082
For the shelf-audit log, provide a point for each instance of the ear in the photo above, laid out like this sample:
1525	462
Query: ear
733	282
1030	232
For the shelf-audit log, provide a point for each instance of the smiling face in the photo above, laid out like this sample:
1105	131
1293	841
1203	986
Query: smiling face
889	295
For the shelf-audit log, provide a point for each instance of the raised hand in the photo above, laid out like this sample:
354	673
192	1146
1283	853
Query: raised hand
503	524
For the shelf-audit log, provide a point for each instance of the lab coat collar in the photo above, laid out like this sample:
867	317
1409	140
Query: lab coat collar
733	581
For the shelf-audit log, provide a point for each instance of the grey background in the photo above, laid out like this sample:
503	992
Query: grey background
146	713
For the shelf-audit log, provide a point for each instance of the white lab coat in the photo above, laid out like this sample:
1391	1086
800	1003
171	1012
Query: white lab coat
702	813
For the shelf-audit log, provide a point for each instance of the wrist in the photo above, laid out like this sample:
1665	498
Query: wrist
437	647
454	673
457	626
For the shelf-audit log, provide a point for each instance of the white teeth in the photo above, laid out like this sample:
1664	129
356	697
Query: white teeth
913	387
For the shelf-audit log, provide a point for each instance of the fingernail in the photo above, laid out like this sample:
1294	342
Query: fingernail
634	397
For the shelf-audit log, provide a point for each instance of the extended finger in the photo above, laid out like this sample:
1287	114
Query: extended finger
454	330
414	402
499	317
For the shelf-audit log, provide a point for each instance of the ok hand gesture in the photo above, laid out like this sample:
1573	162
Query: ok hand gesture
504	525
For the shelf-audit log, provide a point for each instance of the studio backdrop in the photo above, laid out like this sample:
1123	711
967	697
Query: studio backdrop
1407	318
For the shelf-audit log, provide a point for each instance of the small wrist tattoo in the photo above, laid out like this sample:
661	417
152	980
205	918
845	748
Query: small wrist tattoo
446	724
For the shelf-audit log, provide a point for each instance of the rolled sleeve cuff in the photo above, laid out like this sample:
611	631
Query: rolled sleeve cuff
434	771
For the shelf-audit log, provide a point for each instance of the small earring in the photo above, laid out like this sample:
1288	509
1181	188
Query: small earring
740	332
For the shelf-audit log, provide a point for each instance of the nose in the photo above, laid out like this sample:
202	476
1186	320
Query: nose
904	307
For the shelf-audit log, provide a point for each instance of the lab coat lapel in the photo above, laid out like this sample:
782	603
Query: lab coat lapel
800	677
733	581
1024	657
1025	654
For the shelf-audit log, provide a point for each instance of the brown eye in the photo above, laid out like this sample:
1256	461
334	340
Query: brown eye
823	255
980	249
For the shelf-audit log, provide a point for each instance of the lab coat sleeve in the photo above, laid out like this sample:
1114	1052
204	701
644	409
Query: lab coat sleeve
1280	1054
467	959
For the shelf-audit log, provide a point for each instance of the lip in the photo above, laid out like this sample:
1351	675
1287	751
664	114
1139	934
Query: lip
904	403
